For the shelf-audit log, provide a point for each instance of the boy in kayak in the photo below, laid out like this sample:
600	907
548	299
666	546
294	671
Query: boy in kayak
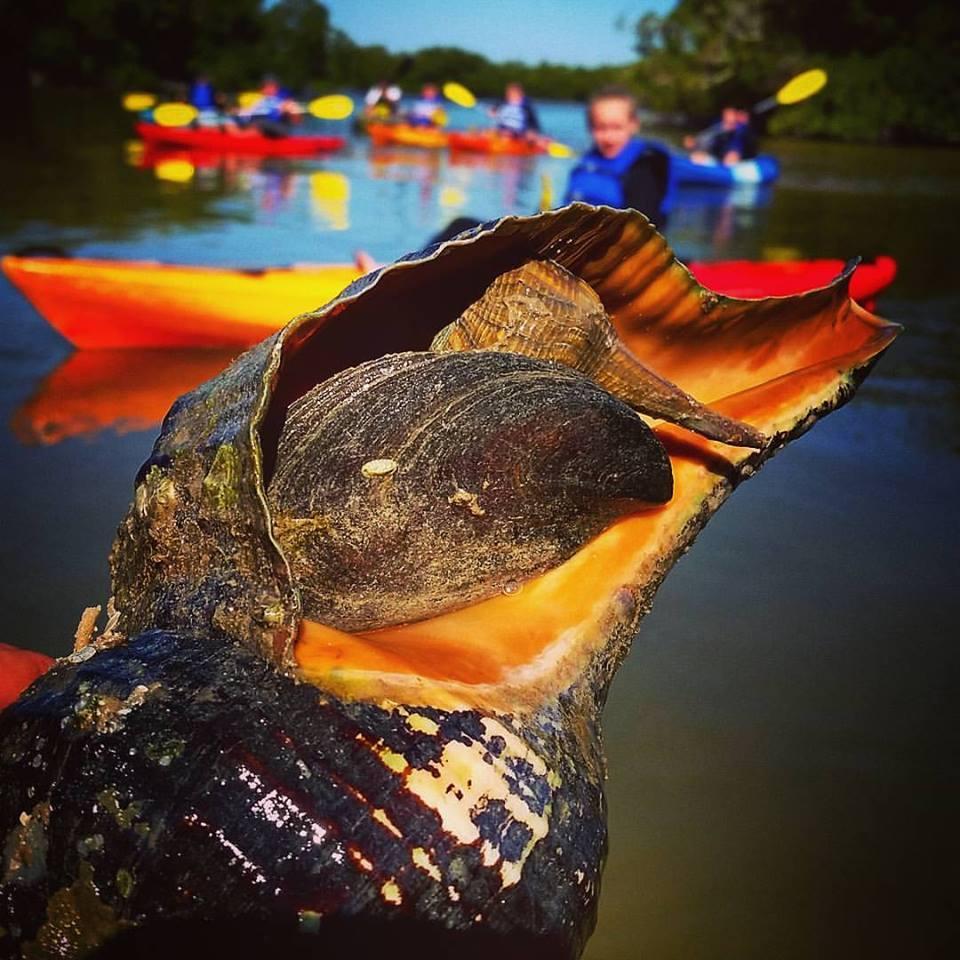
382	100
203	96
427	111
733	140
273	112
514	114
621	170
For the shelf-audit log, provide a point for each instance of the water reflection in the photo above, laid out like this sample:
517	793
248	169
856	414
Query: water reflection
271	180
120	390
707	222
508	178
330	199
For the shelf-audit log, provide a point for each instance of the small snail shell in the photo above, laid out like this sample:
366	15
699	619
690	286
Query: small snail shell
541	310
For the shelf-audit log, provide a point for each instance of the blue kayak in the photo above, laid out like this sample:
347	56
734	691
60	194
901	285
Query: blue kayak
762	169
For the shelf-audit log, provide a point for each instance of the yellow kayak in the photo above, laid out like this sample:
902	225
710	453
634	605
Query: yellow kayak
407	136
131	303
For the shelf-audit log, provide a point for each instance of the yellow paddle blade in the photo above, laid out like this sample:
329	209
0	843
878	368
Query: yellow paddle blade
457	93
138	101
452	197
803	85
248	98
546	191
174	171
561	150
133	151
174	114
336	106
330	198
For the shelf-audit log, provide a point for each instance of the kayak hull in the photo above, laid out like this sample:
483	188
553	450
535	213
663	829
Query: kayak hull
487	141
100	304
762	169
752	279
247	142
405	135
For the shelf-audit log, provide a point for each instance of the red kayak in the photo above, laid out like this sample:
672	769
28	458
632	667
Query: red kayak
123	303
753	278
238	141
18	669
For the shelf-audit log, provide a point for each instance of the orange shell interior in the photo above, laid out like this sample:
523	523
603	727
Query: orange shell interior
773	363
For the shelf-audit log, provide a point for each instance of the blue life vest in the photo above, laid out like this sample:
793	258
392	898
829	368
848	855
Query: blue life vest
600	180
739	139
423	112
268	107
202	96
511	117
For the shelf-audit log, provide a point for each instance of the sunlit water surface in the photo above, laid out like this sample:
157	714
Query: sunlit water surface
782	740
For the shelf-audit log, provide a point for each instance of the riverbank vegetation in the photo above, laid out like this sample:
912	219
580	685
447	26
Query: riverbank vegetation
894	68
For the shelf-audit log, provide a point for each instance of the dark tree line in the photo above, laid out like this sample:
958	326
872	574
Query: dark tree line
894	66
122	44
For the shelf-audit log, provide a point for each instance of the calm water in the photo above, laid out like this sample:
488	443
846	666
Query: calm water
782	740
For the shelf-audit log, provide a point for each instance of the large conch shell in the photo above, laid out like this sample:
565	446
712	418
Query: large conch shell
222	768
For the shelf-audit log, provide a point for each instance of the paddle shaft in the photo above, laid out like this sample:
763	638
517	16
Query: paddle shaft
799	88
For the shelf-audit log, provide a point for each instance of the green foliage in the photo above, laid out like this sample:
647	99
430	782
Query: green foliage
893	68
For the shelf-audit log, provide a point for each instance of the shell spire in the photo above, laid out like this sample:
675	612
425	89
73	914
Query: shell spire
542	310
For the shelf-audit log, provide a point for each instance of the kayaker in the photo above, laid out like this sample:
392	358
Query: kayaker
273	112
427	110
382	100
514	114
733	141
621	170
204	98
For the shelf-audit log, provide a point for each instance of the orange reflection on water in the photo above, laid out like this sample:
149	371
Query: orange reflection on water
121	390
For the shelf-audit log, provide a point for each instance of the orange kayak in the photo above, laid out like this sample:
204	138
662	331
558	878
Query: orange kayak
116	303
405	135
131	303
489	141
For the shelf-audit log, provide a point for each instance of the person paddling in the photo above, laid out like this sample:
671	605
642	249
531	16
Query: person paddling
273	112
621	170
203	96
733	142
382	100
514	115
427	110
